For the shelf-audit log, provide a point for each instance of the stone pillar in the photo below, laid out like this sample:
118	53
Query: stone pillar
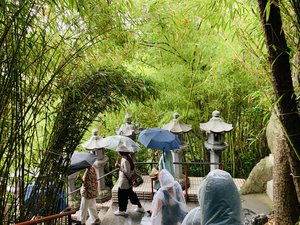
104	192
215	157
71	187
99	166
177	157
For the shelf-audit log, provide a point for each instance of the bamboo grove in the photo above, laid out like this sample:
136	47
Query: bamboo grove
69	66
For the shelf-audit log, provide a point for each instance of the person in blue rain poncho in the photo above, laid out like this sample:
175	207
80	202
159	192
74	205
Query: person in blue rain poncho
165	162
168	205
219	202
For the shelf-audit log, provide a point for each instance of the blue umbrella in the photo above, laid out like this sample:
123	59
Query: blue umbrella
80	161
159	139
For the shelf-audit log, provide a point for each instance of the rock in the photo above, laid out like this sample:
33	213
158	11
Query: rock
263	171
273	132
259	176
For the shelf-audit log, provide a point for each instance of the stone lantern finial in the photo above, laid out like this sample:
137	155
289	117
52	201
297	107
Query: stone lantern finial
95	132
127	118
175	116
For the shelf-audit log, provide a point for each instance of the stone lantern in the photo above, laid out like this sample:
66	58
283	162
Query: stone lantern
93	145
215	143
179	128
128	129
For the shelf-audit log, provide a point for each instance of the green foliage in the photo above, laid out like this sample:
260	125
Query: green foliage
203	61
45	106
70	66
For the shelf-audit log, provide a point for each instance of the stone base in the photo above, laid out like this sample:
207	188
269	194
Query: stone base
104	195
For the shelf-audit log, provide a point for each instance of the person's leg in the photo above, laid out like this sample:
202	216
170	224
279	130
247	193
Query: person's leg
92	208
123	199
135	200
133	197
83	210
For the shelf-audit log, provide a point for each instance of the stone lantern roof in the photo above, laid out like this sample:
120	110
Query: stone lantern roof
176	126
93	142
216	124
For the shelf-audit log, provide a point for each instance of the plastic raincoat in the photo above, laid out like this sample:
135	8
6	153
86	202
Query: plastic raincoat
219	202
166	162
168	206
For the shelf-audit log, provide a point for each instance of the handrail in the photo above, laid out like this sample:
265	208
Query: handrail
49	218
97	179
108	174
185	164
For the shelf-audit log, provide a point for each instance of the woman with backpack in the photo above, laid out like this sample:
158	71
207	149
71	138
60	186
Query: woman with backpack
125	191
168	206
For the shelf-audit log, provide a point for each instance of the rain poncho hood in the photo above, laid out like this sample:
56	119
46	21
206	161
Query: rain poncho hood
219	202
168	206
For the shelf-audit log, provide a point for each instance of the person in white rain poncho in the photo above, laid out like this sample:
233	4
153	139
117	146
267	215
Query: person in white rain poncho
168	206
219	202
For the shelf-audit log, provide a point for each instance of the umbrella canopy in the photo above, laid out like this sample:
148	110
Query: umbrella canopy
159	139
80	161
114	141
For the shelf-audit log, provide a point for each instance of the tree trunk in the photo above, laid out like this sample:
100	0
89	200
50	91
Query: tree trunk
285	100
284	196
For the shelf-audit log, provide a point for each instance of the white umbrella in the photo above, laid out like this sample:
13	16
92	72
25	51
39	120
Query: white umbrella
112	142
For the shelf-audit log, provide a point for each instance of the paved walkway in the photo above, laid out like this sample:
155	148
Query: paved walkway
144	191
252	204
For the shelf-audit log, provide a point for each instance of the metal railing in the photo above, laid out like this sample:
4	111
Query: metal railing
51	218
186	175
184	164
69	213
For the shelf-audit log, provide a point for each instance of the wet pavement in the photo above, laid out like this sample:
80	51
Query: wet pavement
252	204
132	217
